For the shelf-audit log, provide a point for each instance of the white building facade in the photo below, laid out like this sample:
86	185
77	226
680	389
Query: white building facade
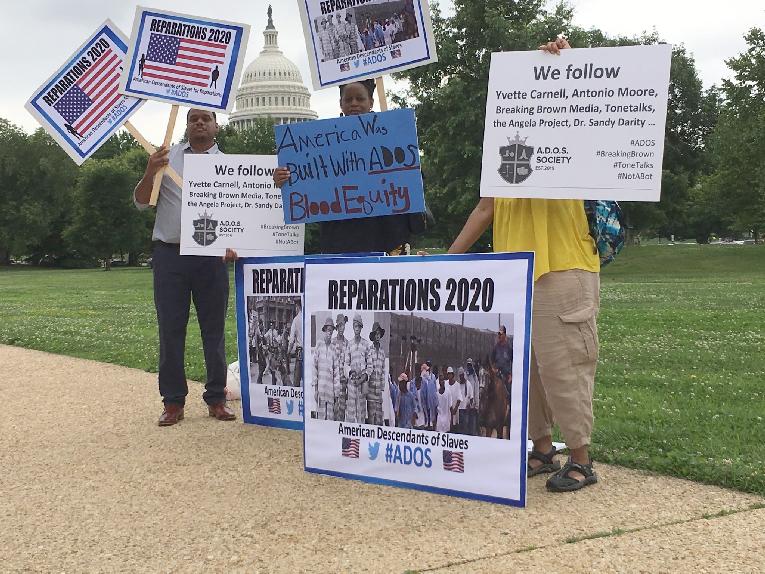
272	87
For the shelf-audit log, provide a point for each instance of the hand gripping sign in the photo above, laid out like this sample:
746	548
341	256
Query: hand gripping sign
80	105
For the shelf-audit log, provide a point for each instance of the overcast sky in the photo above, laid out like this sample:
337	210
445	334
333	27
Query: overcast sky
40	34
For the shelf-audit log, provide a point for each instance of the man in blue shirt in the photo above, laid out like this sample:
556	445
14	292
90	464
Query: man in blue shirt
406	412
429	394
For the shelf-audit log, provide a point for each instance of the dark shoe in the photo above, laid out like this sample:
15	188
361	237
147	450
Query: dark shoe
562	482
171	415
549	464
221	412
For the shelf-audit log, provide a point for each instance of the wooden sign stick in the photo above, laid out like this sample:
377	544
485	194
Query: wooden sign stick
168	140
150	149
381	94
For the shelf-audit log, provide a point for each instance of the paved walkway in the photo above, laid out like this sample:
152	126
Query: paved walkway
90	484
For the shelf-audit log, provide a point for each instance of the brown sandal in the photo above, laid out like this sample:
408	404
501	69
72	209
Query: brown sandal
549	464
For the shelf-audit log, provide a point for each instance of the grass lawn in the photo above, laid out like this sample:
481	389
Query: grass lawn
106	316
682	366
680	381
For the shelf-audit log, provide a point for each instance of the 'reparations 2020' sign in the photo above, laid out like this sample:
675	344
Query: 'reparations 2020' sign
351	167
80	105
185	60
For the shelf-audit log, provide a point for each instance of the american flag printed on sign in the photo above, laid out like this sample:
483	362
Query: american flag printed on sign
93	95
454	461
183	60
274	406
350	447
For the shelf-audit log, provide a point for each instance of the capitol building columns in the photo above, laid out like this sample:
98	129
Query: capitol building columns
272	88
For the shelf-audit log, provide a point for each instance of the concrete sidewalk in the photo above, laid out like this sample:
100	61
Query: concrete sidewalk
91	484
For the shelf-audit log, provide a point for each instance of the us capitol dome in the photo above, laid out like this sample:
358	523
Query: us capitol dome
272	87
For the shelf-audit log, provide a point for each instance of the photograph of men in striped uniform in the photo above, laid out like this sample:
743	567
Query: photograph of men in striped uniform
341	345
358	374
376	377
326	374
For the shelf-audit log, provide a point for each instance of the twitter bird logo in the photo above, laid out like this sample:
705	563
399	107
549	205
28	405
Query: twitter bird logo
290	407
374	450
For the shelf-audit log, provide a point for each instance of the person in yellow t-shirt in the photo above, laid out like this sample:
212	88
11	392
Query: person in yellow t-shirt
564	342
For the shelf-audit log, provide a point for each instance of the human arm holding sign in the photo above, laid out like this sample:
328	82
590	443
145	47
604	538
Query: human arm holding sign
157	161
483	214
477	223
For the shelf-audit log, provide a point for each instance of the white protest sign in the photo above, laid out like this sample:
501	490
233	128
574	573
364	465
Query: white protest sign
229	201
588	124
80	105
269	315
359	424
184	60
351	41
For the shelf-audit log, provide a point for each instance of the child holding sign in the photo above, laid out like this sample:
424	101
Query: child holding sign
390	233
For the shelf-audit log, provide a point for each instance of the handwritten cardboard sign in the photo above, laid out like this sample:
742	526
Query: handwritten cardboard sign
351	167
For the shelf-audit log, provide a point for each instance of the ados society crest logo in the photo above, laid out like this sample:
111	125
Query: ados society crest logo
516	160
204	229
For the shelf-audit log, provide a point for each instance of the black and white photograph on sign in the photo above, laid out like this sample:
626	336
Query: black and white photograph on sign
416	371
274	331
427	371
270	340
365	27
350	41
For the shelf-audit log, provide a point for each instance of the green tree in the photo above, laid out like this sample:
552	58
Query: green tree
116	145
691	116
737	188
104	220
256	140
35	195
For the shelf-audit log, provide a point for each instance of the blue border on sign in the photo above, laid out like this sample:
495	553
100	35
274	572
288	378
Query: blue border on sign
52	123
528	256
241	332
350	78
239	32
242	344
422	487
